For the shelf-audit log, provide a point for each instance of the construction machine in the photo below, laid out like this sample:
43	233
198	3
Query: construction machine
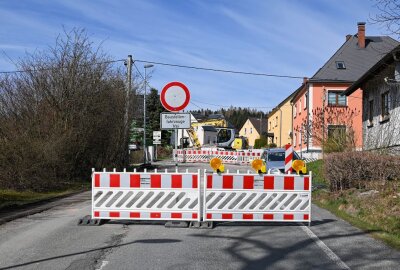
225	134
240	143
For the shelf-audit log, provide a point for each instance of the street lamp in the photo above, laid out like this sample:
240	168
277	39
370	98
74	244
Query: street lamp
144	112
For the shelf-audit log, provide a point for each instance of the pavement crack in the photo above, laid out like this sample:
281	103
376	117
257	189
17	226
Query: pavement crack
95	260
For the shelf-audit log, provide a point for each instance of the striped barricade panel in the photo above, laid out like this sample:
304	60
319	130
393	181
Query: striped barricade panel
146	196
233	157
244	197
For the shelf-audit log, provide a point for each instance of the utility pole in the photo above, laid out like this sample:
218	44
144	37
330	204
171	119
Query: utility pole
128	64
145	159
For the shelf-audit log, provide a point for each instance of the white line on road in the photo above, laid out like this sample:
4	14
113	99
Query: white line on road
103	264
331	255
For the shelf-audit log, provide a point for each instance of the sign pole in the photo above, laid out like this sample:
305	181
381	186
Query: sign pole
176	148
175	97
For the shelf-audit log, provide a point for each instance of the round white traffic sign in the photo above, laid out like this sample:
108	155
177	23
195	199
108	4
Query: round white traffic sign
175	96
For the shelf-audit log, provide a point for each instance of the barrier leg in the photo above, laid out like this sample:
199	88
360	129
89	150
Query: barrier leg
89	221
201	225
176	224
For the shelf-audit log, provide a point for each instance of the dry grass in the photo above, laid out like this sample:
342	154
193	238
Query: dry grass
375	210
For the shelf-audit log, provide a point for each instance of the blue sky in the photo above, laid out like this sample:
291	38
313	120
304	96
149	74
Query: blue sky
275	37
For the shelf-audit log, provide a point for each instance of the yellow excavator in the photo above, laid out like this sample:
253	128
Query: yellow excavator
240	143
225	134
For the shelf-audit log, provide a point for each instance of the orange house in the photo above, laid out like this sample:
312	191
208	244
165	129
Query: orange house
319	110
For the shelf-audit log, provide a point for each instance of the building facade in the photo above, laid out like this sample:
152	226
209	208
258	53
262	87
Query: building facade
280	123
381	104
253	129
321	114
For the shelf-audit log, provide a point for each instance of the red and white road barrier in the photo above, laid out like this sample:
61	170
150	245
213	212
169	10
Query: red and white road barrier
146	196
232	157
288	158
254	197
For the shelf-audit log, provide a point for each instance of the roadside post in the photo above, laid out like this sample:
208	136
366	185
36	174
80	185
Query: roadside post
175	97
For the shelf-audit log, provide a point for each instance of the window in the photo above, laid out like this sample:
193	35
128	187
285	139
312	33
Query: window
336	131
305	101
295	111
340	65
269	127
245	130
251	130
276	121
385	105
370	113
335	99
300	106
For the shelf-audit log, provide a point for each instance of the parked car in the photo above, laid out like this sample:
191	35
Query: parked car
275	159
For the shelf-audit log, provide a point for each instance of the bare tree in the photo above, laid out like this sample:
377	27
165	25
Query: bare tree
318	131
62	115
389	15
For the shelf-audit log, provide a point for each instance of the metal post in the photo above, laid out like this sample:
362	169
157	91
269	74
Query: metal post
128	64
144	113
176	148
280	129
144	118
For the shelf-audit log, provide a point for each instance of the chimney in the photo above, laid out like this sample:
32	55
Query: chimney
305	80
361	35
348	37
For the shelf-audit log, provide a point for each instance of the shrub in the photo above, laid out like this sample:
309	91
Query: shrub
260	143
272	145
360	170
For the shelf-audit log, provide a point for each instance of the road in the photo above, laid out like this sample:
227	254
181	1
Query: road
52	240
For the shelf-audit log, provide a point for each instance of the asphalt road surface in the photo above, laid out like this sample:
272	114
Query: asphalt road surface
52	240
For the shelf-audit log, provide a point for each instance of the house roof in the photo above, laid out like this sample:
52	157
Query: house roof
282	103
258	125
297	92
388	58
356	60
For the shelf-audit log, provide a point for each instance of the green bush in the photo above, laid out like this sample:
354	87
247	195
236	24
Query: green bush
272	145
261	143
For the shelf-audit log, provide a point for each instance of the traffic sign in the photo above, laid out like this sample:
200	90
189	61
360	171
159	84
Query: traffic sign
175	120
157	135
156	142
175	96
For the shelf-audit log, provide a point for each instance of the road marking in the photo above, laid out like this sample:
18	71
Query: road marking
103	264
331	255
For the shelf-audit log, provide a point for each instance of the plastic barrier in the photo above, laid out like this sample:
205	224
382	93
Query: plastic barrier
146	196
246	157
232	157
254	197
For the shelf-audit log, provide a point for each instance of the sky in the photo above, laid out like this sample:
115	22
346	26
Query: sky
286	37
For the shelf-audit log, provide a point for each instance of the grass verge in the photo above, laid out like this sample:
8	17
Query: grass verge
12	199
374	211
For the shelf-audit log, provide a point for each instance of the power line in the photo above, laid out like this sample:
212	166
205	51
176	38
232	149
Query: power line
228	106
196	105
220	70
52	68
